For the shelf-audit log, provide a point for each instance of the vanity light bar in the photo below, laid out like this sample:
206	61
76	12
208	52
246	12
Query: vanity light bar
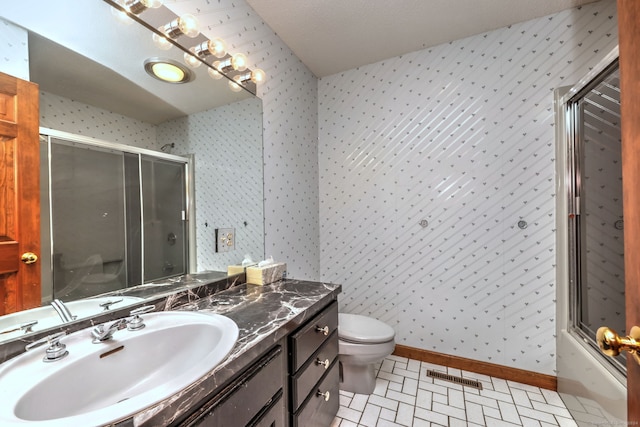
200	49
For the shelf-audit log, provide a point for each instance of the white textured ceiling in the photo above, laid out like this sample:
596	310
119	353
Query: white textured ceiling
330	36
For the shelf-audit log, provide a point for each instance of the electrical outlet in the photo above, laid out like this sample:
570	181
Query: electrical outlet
225	239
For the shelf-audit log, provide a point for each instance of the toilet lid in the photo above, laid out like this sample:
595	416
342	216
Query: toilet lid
363	329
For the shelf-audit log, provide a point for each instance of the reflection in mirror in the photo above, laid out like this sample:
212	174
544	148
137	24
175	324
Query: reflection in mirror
596	234
95	86
115	217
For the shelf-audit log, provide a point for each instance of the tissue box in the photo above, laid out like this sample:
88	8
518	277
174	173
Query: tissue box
265	275
234	269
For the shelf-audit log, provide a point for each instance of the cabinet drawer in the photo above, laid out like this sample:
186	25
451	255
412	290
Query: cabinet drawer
310	337
246	397
274	415
308	376
316	411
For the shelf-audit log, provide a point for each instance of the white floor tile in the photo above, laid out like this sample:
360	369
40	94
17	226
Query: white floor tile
410	386
394	386
370	415
349	414
381	387
552	398
401	397
423	399
405	414
449	410
474	413
387	414
383	402
358	402
405	397
456	398
431	416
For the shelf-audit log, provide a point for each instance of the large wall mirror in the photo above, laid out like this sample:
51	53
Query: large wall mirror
93	85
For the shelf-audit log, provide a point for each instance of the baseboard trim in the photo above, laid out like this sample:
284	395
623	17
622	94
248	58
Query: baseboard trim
504	372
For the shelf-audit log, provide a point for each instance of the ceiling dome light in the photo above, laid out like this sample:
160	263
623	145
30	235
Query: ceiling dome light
167	70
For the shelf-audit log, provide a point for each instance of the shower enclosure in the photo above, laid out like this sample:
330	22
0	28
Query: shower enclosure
590	244
113	216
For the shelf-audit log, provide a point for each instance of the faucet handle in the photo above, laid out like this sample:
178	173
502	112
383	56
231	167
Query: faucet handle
142	310
107	304
137	323
28	326
56	349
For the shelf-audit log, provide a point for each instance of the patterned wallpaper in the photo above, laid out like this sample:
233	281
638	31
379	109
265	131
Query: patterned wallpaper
228	169
14	50
230	157
459	135
64	114
290	114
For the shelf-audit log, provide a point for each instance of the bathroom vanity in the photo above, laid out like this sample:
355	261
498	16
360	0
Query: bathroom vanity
282	371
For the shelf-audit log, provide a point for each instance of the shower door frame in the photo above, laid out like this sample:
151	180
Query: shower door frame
187	160
582	369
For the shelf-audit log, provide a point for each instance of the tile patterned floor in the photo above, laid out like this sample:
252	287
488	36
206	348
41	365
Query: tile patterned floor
405	396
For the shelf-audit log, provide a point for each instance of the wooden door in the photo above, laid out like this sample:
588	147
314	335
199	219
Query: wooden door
629	45
19	195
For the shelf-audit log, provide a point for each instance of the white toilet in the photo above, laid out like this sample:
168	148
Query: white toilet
362	342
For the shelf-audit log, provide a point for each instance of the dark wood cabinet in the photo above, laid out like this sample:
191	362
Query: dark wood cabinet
295	383
253	399
313	370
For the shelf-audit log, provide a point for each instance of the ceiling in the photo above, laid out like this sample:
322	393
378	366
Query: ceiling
330	36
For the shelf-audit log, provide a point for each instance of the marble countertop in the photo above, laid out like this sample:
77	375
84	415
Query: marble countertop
264	315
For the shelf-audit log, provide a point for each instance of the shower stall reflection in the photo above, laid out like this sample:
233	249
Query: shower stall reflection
115	217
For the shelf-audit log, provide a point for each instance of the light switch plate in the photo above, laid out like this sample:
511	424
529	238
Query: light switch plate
225	239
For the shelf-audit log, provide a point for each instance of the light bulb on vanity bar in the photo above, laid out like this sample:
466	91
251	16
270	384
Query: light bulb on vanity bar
191	59
186	24
138	6
236	62
235	85
214	73
216	47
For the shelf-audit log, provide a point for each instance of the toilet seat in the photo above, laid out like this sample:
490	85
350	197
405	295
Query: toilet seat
359	329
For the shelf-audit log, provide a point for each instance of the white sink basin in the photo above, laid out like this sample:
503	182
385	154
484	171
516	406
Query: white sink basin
97	384
47	317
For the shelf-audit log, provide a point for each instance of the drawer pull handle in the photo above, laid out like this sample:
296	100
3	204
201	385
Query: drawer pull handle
324	362
326	395
324	330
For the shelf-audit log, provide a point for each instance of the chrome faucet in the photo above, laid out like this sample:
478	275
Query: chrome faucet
25	327
63	311
102	333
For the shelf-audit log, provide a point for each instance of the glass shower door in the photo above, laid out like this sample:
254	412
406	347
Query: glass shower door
88	220
597	226
164	228
112	218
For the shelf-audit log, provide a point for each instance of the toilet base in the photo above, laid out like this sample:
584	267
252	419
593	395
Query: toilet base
357	378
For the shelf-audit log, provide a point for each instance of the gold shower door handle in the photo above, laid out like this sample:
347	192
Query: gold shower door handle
29	258
612	344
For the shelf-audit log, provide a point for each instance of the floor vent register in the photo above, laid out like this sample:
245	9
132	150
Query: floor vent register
454	379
